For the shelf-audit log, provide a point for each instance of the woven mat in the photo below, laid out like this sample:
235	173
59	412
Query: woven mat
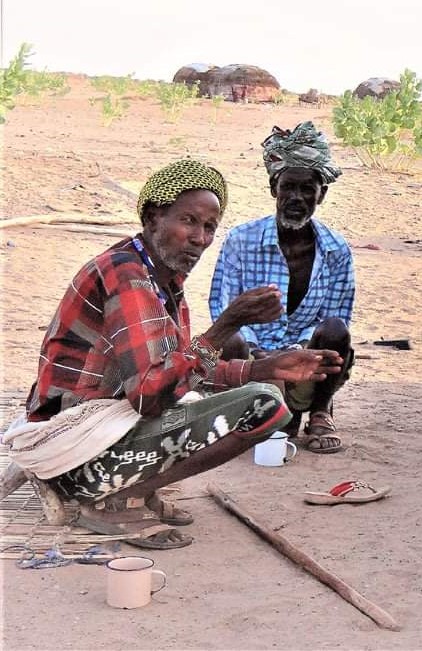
22	521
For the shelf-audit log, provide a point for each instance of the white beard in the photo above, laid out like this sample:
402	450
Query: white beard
293	224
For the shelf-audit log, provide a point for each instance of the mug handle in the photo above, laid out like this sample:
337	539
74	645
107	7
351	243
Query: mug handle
164	578
290	456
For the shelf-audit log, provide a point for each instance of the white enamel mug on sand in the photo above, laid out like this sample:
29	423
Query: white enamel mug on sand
129	581
275	451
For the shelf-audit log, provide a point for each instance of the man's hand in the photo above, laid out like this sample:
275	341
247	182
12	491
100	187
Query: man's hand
297	366
258	305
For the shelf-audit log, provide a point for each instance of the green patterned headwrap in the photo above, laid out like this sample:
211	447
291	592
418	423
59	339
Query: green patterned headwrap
163	187
302	147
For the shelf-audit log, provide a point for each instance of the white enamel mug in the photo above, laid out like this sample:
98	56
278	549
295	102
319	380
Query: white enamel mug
129	581
275	451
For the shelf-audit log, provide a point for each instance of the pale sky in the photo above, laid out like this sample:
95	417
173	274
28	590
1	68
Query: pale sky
331	45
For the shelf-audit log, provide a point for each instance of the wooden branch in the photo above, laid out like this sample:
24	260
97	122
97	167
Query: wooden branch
51	503
80	228
380	616
12	478
57	218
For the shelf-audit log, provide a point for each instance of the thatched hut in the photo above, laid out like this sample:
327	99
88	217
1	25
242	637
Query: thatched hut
195	73
235	82
377	87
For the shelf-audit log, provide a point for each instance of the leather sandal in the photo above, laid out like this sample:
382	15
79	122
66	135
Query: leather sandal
320	428
168	512
132	521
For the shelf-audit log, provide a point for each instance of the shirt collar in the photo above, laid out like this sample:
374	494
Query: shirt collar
324	237
176	283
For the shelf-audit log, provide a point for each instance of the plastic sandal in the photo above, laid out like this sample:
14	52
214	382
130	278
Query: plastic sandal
340	494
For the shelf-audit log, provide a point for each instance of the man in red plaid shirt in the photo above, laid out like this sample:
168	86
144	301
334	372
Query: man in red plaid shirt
126	401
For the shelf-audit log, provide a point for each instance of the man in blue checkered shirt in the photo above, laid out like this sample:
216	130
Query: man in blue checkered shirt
312	266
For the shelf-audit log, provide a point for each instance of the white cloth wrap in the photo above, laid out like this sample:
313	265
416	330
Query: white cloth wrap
70	438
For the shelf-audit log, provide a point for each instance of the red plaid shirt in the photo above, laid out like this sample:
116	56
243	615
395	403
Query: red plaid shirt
112	337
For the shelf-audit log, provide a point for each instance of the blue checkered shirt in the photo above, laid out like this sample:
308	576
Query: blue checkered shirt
251	257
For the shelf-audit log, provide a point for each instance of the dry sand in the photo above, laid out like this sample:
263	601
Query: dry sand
229	590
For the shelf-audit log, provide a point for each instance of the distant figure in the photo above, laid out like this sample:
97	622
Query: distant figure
311	97
310	263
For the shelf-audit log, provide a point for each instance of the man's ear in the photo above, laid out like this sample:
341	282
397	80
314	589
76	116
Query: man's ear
324	189
149	217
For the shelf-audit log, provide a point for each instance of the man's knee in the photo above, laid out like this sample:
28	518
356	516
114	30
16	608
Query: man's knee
235	348
330	332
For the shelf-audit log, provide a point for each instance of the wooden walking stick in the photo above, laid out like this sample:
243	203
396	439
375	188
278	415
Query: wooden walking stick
380	616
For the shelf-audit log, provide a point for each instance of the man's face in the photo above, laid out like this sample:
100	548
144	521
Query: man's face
298	192
180	233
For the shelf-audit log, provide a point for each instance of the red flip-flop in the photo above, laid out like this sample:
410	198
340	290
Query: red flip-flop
340	494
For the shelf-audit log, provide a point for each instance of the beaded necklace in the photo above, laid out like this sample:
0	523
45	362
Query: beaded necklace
146	259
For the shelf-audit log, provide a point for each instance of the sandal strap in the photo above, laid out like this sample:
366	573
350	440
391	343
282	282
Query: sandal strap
136	522
167	509
348	486
146	531
325	417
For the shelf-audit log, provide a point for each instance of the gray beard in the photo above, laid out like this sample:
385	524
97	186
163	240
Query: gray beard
293	224
171	261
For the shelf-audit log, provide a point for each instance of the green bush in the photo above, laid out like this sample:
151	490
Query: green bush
113	105
175	97
387	133
38	83
16	80
113	85
13	80
217	101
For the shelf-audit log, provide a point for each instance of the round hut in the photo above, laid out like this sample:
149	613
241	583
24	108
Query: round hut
377	87
243	83
195	73
235	82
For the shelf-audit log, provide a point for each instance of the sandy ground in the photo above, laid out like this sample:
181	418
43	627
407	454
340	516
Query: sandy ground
229	590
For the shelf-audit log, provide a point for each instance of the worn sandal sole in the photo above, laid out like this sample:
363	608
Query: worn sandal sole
110	530
187	540
307	439
177	522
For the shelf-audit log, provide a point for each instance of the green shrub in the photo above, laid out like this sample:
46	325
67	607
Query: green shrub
13	79
146	88
175	97
387	133
113	105
113	85
38	83
217	101
16	80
